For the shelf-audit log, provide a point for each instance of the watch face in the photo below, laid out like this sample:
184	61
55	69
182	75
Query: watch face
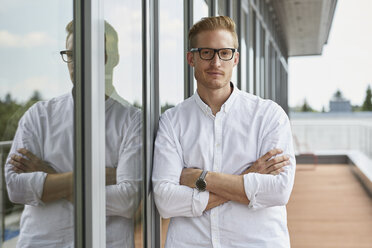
200	184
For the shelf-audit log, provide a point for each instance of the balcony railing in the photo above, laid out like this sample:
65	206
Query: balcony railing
338	134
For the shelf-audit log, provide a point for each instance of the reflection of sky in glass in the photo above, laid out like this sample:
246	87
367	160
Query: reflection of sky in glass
200	10
171	55
30	42
125	17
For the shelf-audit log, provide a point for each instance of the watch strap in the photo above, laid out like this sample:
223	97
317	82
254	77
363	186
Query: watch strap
203	175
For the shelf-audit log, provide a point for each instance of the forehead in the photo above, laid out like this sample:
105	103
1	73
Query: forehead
215	39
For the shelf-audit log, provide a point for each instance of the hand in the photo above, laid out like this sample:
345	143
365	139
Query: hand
189	176
110	176
29	163
266	165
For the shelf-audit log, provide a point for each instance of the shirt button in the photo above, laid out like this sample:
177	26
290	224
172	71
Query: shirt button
217	144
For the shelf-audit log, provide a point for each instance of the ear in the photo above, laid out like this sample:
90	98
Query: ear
190	59
236	58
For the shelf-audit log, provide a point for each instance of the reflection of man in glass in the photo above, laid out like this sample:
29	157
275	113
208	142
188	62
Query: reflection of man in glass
214	174
39	168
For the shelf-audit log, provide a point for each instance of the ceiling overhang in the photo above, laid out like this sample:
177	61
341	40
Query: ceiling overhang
305	24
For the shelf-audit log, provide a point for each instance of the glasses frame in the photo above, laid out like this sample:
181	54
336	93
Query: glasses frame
215	51
64	52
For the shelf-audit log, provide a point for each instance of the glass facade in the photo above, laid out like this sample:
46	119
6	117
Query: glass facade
127	59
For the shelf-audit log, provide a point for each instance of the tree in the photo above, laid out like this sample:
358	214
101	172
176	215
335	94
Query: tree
8	98
338	94
36	96
306	107
166	106
367	104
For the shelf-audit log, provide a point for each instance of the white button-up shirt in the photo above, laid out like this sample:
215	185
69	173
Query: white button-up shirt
243	130
46	129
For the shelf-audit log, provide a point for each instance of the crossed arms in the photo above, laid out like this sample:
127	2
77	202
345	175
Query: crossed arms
57	185
225	187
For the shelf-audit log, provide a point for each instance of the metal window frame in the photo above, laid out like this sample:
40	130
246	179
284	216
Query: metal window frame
89	125
151	221
212	7
188	19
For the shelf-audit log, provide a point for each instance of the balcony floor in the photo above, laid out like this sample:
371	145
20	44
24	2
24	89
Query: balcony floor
329	208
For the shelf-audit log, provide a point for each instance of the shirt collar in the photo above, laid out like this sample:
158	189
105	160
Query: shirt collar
226	106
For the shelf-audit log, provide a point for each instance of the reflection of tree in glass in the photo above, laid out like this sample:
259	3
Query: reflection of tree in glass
11	112
166	106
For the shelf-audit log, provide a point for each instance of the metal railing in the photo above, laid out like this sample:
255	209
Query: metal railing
3	145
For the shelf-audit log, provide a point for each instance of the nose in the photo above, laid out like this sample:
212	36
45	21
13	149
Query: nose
216	60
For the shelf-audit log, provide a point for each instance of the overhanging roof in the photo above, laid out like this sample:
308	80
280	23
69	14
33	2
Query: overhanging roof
305	24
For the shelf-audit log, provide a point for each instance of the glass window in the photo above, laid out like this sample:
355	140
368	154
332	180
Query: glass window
251	48
262	61
171	54
258	50
123	117
171	59
244	53
36	123
222	8
200	10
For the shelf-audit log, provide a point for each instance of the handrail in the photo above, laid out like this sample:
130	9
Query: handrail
3	145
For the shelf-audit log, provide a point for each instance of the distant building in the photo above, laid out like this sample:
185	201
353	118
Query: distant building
339	104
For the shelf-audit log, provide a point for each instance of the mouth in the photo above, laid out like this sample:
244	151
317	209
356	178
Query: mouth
215	73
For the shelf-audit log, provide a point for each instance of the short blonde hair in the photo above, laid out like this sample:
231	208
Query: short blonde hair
111	37
210	24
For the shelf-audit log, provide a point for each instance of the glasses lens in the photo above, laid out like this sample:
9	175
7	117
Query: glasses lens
67	56
225	54
206	53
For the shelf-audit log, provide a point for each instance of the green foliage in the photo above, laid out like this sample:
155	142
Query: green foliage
306	107
10	114
367	104
338	94
165	107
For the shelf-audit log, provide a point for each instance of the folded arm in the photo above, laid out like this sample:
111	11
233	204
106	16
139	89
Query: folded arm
171	198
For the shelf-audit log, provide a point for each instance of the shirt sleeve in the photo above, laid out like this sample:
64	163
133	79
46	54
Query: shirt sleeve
267	190
123	198
171	198
25	188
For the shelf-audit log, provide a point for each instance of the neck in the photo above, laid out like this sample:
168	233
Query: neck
109	88
214	98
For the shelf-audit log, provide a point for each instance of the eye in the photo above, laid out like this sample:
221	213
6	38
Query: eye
205	51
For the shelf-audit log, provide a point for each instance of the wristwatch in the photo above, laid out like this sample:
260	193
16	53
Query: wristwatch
200	183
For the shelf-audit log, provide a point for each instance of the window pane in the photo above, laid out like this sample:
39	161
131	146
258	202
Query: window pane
36	113
171	59
200	10
123	94
171	55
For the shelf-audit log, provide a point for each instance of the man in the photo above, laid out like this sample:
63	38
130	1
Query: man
214	171
39	168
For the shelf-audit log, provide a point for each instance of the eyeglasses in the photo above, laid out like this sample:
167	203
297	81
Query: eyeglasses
224	54
67	56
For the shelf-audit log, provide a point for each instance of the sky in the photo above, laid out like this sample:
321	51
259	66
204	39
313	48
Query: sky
345	64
